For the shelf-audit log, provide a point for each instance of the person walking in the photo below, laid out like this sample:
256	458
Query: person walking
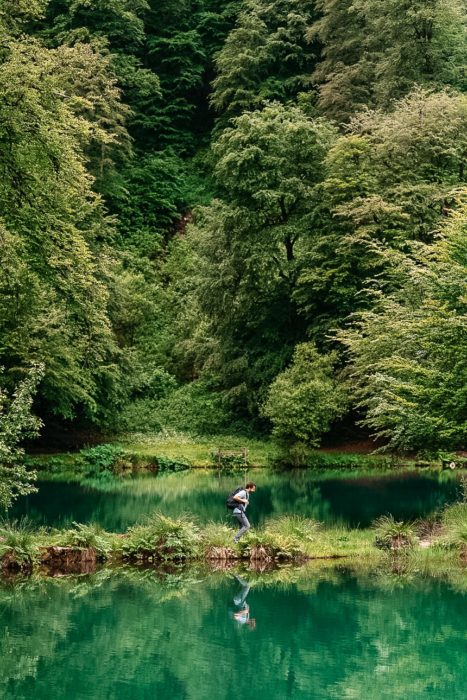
238	502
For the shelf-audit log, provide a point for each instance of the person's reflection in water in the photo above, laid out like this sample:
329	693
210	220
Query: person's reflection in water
241	613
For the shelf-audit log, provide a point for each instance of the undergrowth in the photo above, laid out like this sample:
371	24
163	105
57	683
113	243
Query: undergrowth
18	542
171	541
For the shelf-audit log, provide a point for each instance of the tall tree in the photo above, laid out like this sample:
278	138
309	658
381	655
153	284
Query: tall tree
53	291
17	423
266	57
252	243
407	354
375	52
389	180
344	74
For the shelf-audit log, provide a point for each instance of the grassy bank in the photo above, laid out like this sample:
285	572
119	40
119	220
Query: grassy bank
163	453
161	540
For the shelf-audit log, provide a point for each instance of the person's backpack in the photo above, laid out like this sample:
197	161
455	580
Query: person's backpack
230	502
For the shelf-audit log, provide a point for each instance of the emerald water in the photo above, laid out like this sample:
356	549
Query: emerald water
344	498
140	635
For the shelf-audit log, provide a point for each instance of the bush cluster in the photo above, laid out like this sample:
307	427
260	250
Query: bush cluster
161	538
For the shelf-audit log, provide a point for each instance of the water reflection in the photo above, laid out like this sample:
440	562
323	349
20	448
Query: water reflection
324	633
241	611
338	498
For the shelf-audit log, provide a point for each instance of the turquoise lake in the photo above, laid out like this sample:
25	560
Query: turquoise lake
335	497
139	636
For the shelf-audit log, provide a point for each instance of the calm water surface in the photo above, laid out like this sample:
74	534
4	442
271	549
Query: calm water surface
337	498
332	635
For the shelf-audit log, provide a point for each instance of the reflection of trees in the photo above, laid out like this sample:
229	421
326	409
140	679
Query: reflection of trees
320	634
334	497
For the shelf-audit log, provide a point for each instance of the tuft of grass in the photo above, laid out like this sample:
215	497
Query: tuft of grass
217	535
392	534
295	526
90	536
161	538
429	528
18	542
454	521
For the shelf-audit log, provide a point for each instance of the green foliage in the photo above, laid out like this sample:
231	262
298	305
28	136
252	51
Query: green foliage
265	57
162	539
17	423
407	367
344	79
154	195
270	547
375	52
106	111
305	529
181	40
389	181
454	522
392	534
18	542
140	415
55	113
426	46
167	465
15	14
216	535
251	245
305	398
103	460
194	408
89	536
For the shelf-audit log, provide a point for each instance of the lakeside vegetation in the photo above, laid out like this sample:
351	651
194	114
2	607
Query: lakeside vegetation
162	454
161	540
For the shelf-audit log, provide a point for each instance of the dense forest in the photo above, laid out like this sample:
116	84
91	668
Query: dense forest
234	216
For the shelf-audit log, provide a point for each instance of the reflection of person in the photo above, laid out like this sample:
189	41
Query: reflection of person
241	614
242	498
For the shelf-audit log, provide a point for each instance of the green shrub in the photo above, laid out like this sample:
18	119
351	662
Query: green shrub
195	408
91	536
161	538
103	460
454	521
168	464
140	415
282	539
270	546
229	462
18	541
216	535
392	534
305	398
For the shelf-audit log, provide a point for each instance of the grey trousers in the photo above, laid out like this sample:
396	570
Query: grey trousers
243	523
